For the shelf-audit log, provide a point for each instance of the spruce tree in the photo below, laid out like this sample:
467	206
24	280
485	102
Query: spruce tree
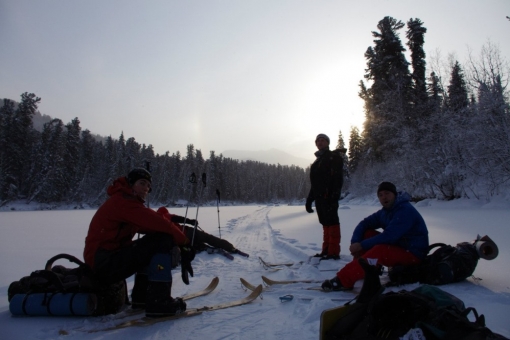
457	93
416	39
19	149
387	101
355	149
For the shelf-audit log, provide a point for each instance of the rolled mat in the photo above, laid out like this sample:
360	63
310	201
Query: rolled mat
58	304
486	248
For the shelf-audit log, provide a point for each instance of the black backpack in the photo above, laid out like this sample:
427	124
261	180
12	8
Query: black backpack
445	263
52	280
427	309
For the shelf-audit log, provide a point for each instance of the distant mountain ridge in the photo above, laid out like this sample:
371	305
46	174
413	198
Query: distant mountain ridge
271	156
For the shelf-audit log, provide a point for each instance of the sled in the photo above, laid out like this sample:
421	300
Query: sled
329	317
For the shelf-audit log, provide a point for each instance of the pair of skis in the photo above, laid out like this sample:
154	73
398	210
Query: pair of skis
144	321
274	266
279	266
268	283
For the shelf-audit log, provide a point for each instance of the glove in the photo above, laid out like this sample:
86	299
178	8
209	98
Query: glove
308	205
191	222
187	255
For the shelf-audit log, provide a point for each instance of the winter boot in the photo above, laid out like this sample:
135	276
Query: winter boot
330	257
371	283
139	292
333	285
160	303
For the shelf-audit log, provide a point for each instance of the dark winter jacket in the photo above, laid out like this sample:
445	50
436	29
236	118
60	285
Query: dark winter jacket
326	176
122	216
402	225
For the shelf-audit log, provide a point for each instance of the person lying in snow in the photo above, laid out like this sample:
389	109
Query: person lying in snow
113	255
202	240
404	238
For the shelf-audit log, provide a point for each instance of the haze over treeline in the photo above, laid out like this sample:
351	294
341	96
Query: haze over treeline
438	131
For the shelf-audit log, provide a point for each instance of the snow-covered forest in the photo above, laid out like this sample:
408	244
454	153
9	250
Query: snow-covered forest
439	132
442	132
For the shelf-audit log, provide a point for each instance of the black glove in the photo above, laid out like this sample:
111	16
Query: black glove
187	255
308	205
191	222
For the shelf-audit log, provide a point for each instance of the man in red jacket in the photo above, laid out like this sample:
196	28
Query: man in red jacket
113	255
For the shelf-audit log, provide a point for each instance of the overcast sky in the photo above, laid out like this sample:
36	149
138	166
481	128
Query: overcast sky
222	75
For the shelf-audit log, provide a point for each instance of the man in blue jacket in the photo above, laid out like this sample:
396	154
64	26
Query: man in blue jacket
403	240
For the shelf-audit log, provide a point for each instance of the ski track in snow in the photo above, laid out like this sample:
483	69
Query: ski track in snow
266	317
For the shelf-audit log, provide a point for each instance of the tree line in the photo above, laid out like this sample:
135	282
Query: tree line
65	164
443	133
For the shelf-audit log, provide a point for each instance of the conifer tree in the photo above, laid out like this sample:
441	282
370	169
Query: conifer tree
19	149
355	149
6	177
435	93
387	100
72	158
416	39
457	98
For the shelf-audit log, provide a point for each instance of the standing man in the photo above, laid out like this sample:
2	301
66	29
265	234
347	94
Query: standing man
326	177
403	240
113	255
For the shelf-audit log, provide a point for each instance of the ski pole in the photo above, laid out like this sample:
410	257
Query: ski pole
192	180
218	206
204	180
148	168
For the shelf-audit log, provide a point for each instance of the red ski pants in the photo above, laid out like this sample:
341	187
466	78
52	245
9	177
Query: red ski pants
386	255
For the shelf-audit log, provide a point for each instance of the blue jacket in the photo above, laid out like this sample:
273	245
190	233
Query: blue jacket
402	225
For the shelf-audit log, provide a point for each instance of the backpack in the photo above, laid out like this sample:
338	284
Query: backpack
57	290
446	264
426	310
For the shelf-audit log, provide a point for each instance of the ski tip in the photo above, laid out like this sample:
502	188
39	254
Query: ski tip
257	291
268	281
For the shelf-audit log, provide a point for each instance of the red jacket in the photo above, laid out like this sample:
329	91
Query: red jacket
163	211
123	215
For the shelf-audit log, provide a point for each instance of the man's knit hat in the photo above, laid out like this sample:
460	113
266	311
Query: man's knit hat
322	135
388	186
138	173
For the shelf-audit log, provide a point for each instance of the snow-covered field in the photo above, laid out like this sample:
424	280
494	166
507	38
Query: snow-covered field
274	233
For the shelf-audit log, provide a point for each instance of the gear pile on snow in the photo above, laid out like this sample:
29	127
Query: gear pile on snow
61	291
446	264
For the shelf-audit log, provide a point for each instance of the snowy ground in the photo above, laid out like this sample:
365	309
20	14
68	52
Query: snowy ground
275	233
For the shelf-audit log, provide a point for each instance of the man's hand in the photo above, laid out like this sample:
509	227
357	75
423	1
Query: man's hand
191	222
187	255
355	249
308	205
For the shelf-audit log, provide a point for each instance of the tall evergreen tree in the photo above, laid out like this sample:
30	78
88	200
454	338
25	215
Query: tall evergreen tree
6	177
387	100
435	93
340	144
416	39
72	158
20	136
355	149
457	92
